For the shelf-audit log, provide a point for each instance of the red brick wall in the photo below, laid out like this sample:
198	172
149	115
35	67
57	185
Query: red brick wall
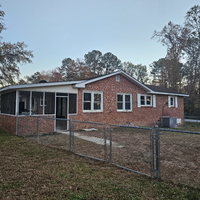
143	116
8	123
26	124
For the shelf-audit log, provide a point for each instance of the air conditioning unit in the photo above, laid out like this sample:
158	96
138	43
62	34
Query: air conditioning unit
169	122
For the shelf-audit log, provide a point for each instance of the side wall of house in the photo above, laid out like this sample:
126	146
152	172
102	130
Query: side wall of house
139	116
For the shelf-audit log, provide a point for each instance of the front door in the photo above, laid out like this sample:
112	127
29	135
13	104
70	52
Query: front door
61	112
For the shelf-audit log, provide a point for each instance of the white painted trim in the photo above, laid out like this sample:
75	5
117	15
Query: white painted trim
30	102
146	105
35	85
82	84
154	101
169	102
43	103
138	100
92	101
171	94
17	103
124	110
176	102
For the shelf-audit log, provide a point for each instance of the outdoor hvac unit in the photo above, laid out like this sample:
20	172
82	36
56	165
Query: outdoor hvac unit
170	122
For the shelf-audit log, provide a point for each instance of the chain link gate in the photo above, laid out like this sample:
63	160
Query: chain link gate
135	149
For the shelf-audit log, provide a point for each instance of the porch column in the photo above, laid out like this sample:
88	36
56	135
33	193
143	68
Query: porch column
17	103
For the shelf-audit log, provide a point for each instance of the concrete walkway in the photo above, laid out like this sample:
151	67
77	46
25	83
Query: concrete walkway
96	140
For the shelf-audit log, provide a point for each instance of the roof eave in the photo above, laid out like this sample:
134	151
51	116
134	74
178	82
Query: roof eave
82	84
35	85
169	94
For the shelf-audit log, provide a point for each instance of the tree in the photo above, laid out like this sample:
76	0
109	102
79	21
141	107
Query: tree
158	71
11	54
93	61
138	71
35	78
183	42
110	63
65	69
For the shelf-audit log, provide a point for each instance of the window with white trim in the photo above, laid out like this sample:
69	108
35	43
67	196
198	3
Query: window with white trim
145	100
172	101
92	101
124	102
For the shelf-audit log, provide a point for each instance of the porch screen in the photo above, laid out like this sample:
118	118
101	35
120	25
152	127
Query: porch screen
72	103
37	103
49	106
24	102
8	103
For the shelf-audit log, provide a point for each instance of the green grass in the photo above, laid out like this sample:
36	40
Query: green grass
32	171
192	126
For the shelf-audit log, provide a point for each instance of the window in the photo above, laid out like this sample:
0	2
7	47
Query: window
172	101
124	102
92	101
145	100
41	101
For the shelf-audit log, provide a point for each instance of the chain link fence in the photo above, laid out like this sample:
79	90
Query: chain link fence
90	139
43	130
170	154
130	148
180	156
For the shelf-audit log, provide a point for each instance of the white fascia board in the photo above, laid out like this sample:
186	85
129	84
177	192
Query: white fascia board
169	94
137	82
82	85
35	85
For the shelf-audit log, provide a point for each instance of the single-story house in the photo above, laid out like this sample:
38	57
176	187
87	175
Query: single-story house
115	98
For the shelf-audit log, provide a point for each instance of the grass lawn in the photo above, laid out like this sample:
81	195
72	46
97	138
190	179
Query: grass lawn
29	170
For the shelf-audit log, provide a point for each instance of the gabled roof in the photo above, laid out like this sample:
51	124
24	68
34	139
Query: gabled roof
150	89
120	72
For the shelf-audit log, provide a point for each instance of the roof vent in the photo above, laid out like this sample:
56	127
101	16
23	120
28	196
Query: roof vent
43	81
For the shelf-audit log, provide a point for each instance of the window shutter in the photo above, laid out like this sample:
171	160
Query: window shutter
138	100
176	102
169	105
154	101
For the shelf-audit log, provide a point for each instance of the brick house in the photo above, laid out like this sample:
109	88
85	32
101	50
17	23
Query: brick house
115	98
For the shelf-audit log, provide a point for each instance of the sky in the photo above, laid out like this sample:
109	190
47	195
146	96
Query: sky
58	29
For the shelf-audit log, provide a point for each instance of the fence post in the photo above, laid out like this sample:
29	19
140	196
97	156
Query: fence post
105	138
152	152
16	125
110	144
70	135
157	152
37	129
72	125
